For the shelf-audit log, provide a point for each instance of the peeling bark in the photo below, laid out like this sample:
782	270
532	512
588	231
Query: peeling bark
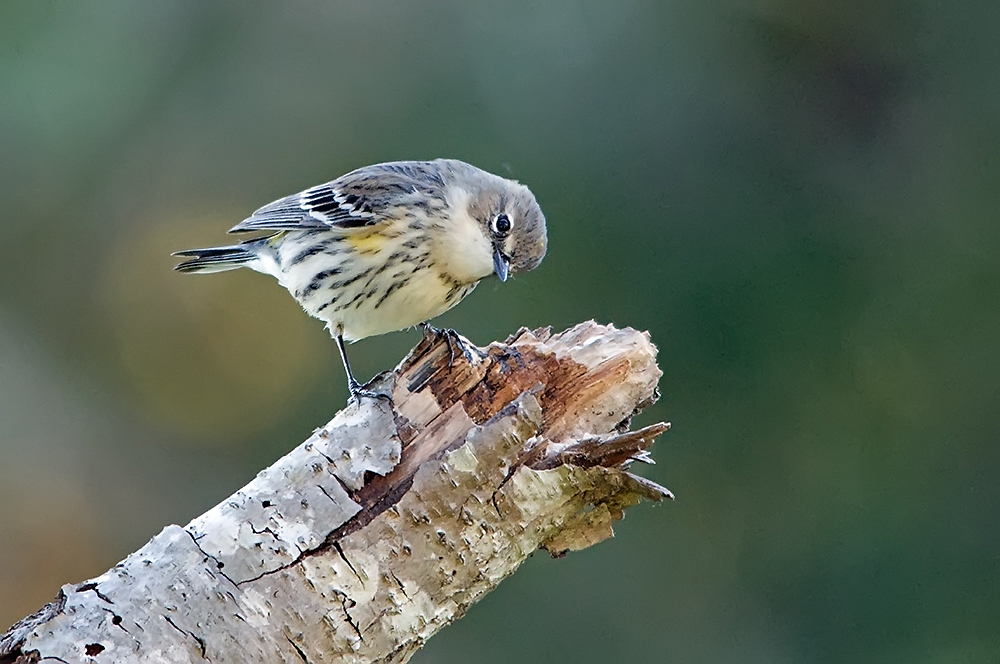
389	522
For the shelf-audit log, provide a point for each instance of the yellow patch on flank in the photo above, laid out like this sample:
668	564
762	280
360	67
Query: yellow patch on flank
367	243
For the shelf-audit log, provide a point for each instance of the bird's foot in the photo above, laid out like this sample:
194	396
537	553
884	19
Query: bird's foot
469	351
359	391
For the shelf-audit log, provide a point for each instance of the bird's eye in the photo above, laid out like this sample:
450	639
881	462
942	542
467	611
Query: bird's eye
501	225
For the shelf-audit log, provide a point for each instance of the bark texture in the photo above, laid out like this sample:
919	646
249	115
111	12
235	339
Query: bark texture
389	522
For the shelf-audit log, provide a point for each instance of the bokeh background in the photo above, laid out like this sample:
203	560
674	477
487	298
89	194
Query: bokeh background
797	199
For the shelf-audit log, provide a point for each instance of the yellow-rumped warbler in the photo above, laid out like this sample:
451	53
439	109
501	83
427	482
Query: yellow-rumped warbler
387	246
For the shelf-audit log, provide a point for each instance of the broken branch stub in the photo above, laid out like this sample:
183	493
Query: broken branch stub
390	521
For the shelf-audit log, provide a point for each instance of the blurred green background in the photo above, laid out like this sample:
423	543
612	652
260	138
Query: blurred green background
797	199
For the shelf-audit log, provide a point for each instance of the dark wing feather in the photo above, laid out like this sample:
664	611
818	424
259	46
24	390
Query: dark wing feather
363	197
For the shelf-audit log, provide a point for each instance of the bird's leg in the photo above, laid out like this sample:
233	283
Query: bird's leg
470	352
356	388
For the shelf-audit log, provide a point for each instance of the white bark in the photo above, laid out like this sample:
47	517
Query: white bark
389	522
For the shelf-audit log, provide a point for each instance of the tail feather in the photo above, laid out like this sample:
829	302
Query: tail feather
214	259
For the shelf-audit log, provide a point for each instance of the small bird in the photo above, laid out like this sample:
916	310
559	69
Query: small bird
388	246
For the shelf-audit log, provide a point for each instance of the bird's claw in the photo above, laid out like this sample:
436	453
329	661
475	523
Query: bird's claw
469	351
358	391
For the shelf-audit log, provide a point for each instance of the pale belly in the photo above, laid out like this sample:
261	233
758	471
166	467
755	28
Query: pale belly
362	294
424	297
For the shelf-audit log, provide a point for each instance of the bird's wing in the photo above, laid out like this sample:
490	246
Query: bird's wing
364	197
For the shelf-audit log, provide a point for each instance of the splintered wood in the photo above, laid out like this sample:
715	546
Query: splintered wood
390	521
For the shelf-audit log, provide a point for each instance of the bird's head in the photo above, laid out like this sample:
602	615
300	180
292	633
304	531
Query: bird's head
507	217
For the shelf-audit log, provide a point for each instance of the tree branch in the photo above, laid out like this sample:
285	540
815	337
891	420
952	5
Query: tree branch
389	522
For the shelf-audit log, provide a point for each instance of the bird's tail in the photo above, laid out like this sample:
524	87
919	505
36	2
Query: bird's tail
215	259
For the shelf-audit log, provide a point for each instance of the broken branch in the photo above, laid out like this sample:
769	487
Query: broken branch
389	522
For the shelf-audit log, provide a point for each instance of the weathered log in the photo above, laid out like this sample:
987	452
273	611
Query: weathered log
389	522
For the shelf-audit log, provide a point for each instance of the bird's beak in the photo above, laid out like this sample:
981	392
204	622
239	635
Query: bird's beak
501	263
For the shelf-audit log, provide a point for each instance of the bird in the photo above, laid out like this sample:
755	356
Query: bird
387	246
